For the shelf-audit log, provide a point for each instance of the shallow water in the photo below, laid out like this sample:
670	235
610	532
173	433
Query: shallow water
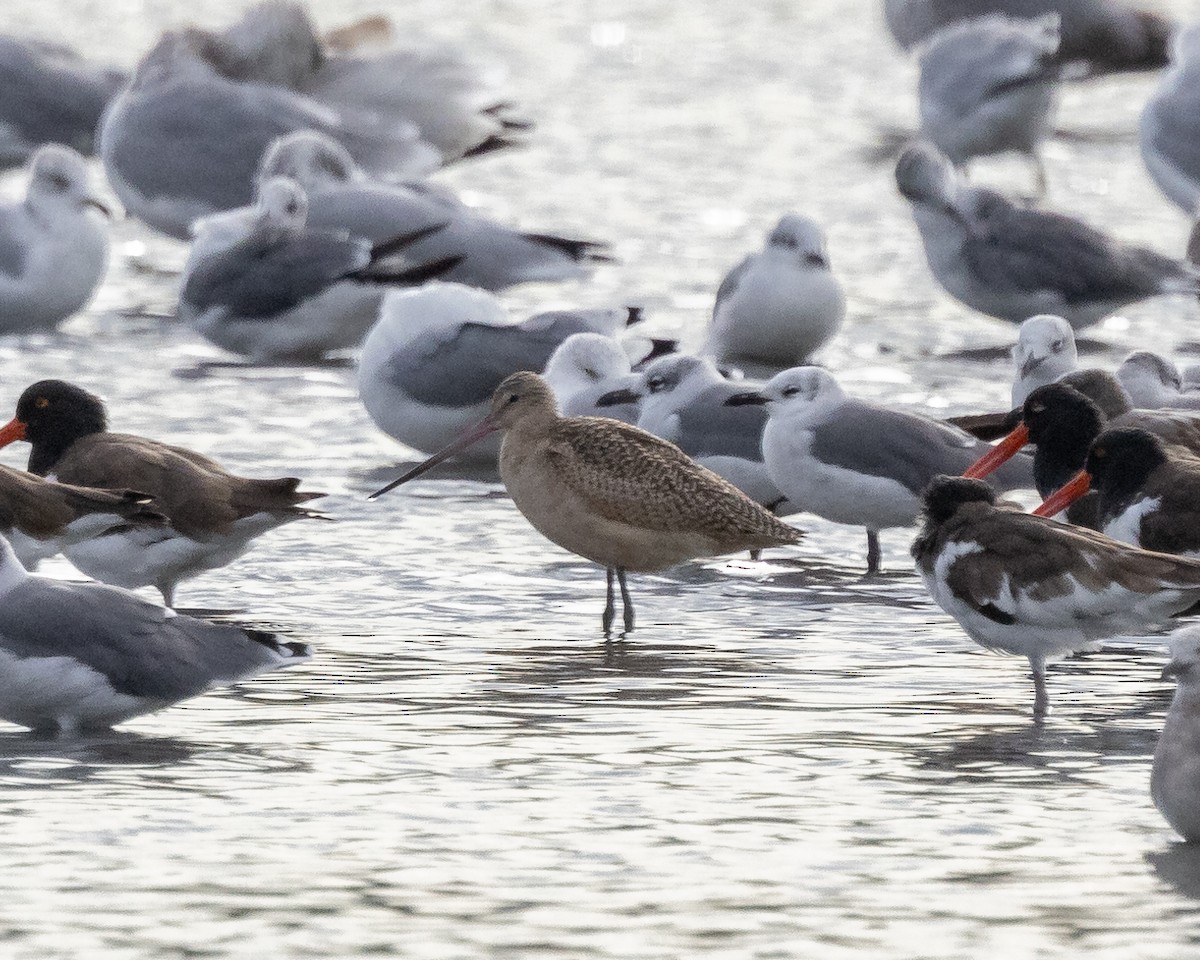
786	760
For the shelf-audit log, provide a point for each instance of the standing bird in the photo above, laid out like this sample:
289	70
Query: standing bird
341	196
1101	36
53	244
1045	351
1031	586
610	492
781	305
262	283
212	514
854	462
1175	776
989	86
1145	495
84	656
682	399
1169	132
1011	262
39	517
430	365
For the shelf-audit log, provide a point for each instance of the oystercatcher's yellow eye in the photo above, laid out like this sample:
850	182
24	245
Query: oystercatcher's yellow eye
41	403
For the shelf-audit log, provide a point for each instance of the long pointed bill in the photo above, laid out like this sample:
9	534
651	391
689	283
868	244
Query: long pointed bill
1000	453
1065	495
466	439
12	431
746	400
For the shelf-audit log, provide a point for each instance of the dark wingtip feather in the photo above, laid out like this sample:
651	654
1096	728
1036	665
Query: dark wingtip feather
581	251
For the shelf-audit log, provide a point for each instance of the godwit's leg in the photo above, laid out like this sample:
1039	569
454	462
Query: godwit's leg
626	602
873	551
1041	701
610	608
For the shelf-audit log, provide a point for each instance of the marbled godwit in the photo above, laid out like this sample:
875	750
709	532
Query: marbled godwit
213	515
851	461
84	656
780	305
489	255
39	518
1031	586
610	492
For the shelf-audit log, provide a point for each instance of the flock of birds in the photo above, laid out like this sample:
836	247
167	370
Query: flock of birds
291	162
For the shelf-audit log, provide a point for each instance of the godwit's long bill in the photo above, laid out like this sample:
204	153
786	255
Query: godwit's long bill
610	492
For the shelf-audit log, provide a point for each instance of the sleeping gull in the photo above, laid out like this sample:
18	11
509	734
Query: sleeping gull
181	141
1045	351
428	368
1011	262
988	86
1153	382
584	368
53	244
683	400
455	104
51	95
79	656
1101	35
855	462
264	284
491	256
780	305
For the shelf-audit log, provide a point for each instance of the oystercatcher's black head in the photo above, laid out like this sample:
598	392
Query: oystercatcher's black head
51	415
945	495
1122	459
1062	423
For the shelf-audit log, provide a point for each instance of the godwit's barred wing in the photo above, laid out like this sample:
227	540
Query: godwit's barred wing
629	475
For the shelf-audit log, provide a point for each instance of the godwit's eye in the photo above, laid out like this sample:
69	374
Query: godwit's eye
512	398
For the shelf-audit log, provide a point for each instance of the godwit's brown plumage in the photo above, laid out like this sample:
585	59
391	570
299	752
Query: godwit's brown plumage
39	517
610	492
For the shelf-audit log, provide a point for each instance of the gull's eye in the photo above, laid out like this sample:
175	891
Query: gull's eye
292	207
656	384
1057	345
791	391
58	182
590	374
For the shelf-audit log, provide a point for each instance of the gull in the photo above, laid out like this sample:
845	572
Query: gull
586	367
53	244
51	95
213	515
1011	262
264	284
989	86
683	399
1169	131
341	196
1045	351
430	365
780	305
1154	382
39	517
182	141
1034	587
1175	776
1100	35
854	462
84	656
610	492
455	105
